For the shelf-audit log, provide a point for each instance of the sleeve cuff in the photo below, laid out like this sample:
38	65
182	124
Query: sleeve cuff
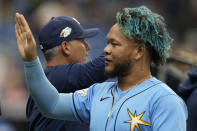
31	63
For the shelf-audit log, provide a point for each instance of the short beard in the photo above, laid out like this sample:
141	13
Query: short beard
120	69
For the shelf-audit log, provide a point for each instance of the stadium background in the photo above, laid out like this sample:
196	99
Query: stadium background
180	16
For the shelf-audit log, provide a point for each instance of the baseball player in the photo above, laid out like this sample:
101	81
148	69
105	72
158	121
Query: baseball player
137	101
63	45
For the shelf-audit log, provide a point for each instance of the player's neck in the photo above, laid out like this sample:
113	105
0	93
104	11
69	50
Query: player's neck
133	79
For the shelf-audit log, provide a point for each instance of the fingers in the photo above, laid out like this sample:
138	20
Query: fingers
18	28
17	17
28	35
20	24
21	27
16	31
25	40
25	24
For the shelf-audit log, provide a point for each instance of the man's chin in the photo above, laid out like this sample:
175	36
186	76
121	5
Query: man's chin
110	74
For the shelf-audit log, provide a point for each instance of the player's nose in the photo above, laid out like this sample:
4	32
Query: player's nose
107	50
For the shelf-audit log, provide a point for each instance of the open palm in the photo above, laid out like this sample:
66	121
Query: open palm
25	40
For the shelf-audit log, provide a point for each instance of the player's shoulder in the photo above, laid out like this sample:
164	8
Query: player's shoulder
163	92
161	88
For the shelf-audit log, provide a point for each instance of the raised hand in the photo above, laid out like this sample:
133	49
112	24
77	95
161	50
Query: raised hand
25	40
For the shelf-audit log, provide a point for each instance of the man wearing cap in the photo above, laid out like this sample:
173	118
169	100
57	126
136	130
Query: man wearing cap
62	42
137	101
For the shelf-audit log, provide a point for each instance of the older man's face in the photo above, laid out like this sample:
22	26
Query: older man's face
79	50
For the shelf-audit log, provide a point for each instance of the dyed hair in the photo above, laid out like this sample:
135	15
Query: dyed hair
143	26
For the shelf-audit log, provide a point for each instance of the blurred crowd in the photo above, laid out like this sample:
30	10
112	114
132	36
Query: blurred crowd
180	16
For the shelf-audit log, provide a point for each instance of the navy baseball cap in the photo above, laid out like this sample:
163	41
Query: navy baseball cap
63	28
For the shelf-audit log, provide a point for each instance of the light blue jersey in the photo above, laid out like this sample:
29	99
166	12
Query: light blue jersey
150	106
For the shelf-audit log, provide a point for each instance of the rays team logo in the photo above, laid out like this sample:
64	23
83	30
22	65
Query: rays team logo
66	32
83	92
136	120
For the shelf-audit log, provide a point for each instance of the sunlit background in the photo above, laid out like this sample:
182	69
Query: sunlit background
180	16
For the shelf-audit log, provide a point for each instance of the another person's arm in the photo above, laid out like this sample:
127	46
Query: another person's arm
83	75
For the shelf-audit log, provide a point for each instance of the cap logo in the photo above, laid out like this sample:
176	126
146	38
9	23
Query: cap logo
65	32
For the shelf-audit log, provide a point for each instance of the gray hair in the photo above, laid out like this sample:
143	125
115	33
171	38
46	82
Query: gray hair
50	53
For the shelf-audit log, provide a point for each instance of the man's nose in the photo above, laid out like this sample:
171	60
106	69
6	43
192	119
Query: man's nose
107	49
87	46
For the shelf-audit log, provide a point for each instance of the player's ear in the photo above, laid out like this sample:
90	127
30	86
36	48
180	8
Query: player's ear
140	50
65	47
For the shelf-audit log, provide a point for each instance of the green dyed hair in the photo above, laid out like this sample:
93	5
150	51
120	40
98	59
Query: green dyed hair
143	26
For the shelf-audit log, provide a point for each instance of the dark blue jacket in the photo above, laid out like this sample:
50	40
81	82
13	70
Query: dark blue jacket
66	78
188	91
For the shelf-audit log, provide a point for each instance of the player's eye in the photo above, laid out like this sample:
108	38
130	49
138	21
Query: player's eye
114	44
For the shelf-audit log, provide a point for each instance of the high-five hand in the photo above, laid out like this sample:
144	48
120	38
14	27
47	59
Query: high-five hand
25	40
